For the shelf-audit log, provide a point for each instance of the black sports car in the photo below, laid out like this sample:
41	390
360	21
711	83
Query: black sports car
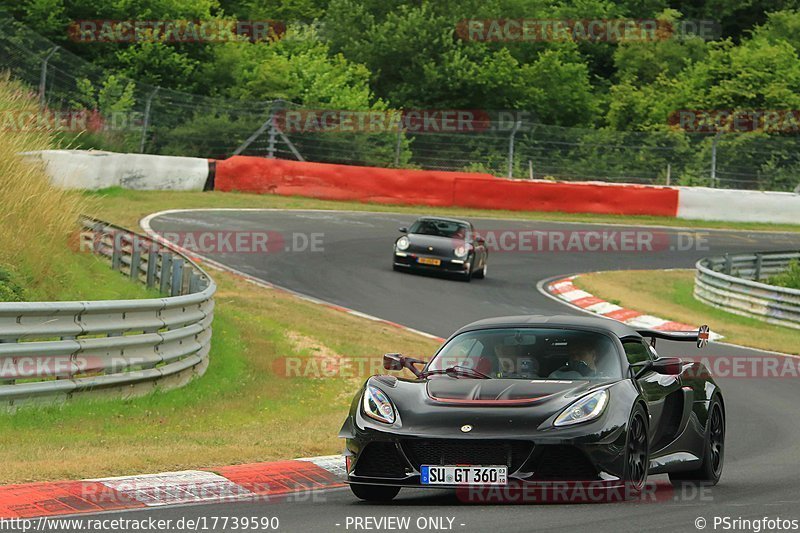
441	245
534	399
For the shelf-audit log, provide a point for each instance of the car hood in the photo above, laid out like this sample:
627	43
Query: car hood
441	405
489	392
430	244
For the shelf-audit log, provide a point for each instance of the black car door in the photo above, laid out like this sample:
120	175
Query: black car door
663	394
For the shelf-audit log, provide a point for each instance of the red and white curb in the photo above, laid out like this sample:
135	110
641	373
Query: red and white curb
563	289
250	482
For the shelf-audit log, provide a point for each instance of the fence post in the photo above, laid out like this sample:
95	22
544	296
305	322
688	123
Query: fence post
152	264
166	267
669	174
116	251
397	145
43	78
714	159
146	121
517	125
757	273
273	135
136	259
177	277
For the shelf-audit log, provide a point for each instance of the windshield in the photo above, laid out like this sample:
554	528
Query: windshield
532	354
440	228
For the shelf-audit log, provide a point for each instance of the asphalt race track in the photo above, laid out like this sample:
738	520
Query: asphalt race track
762	472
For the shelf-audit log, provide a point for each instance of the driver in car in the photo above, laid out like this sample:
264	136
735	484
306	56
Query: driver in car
582	364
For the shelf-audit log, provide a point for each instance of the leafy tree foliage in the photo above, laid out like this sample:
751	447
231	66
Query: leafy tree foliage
410	54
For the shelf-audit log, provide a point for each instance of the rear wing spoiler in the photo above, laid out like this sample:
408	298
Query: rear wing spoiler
700	336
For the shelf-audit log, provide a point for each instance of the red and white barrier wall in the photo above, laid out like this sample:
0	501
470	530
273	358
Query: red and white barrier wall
438	188
90	170
94	170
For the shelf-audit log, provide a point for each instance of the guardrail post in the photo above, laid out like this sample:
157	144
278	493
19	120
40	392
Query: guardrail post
152	264
757	273
166	267
728	264
177	277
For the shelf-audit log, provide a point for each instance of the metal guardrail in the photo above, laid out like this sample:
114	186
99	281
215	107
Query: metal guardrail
50	351
732	283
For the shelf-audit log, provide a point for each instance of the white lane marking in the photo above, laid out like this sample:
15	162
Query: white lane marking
169	488
145	225
530	220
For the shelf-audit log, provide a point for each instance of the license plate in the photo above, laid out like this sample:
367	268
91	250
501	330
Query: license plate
429	261
464	475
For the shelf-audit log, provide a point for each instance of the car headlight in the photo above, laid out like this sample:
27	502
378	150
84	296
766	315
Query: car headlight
587	408
461	251
402	243
377	405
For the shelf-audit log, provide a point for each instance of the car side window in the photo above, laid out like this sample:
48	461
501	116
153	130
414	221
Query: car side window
636	352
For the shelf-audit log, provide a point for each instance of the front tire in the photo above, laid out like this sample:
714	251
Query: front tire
713	451
481	274
637	452
374	493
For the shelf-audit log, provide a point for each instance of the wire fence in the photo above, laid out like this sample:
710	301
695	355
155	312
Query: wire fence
139	117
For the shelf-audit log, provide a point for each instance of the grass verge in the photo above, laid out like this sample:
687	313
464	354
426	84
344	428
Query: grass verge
245	408
668	294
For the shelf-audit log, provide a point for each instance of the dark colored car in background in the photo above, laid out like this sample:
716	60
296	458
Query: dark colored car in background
444	245
525	400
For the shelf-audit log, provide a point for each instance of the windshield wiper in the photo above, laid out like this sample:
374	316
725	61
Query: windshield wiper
455	371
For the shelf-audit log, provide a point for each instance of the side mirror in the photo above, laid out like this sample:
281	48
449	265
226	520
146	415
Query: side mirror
669	366
396	361
393	361
403	229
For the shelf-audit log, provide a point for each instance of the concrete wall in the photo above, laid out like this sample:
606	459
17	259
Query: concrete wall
702	203
77	169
